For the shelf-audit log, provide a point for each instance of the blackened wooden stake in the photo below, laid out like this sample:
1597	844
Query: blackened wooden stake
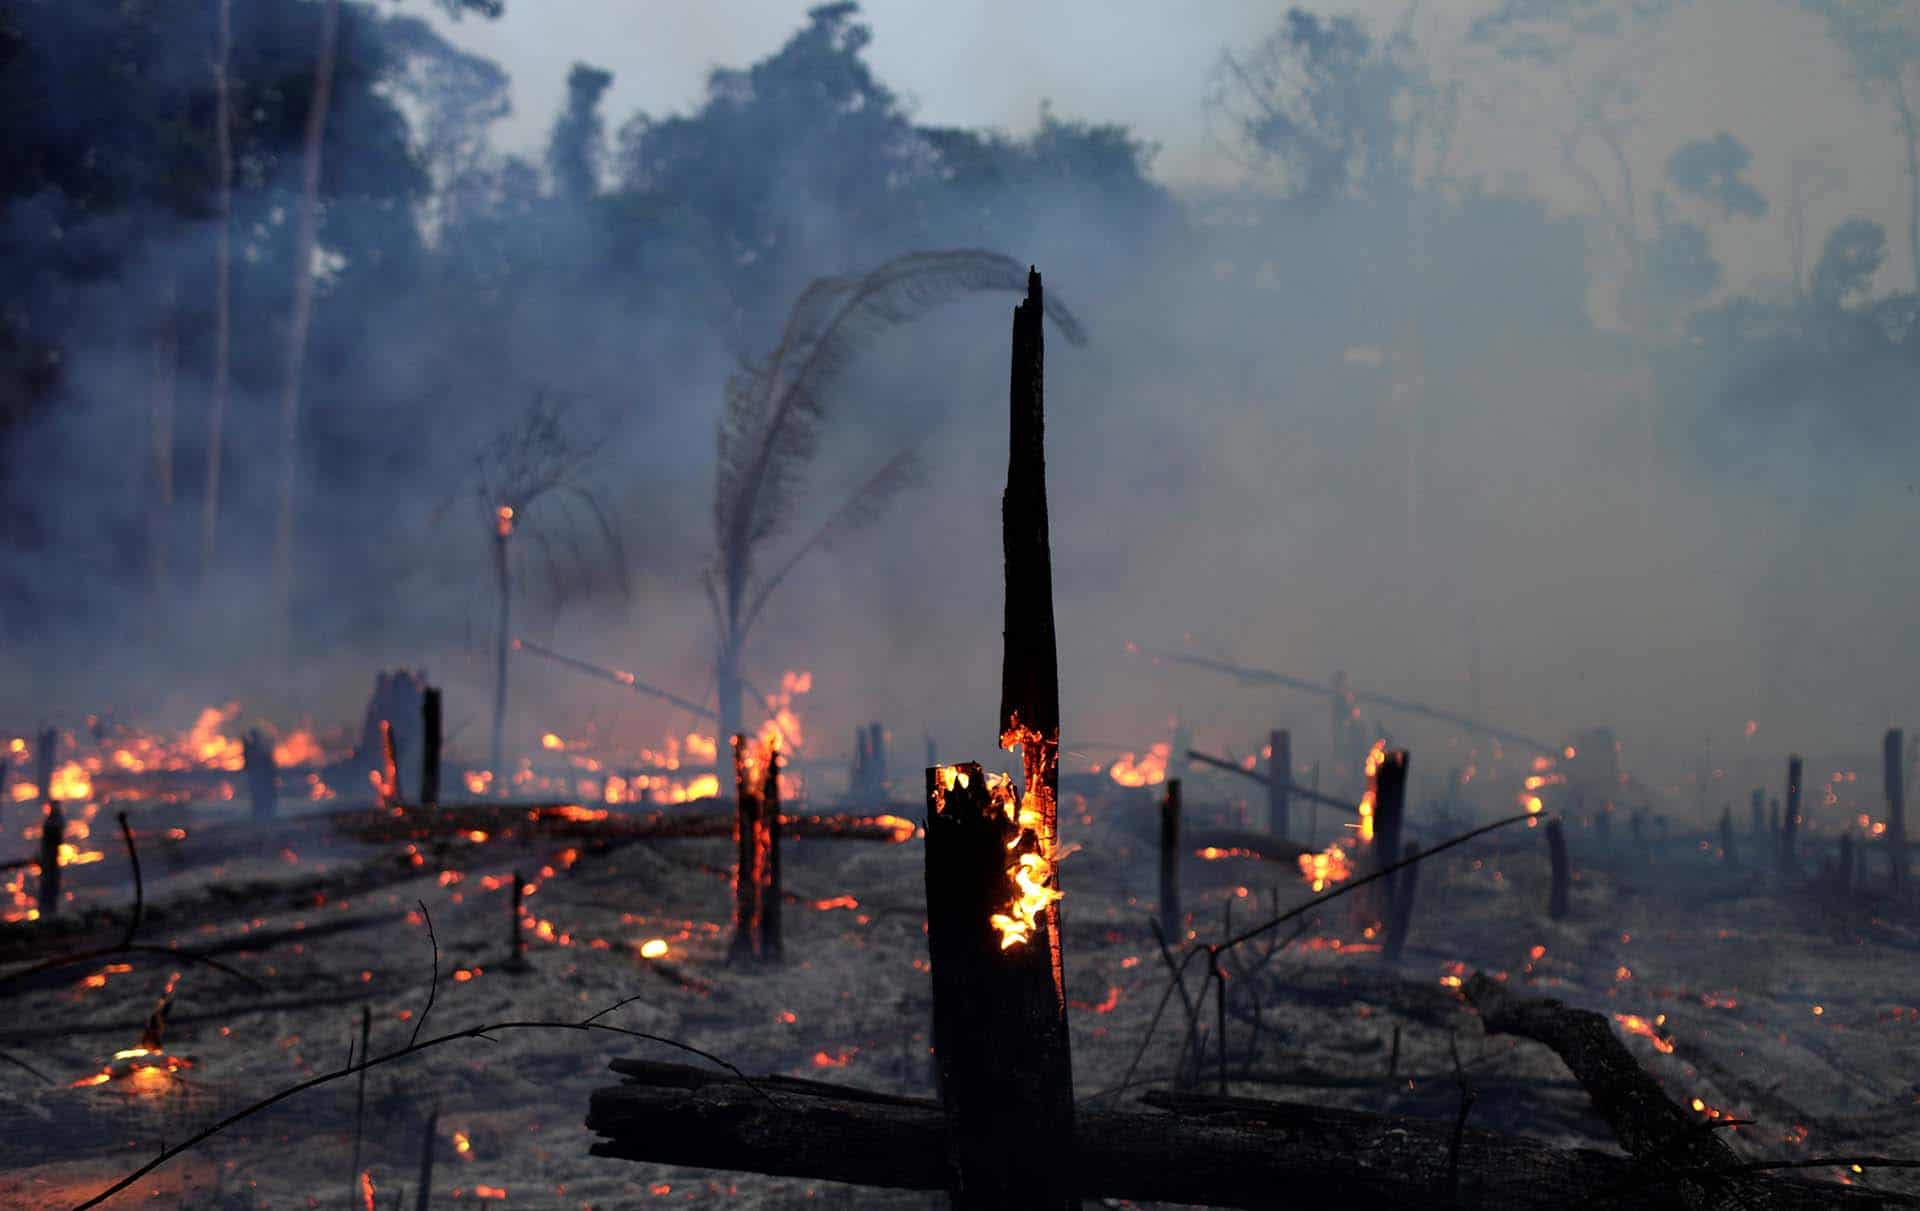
1790	819
1170	864
999	1007
389	766
770	937
1279	782
1894	772
747	849
43	764
1557	855
53	830
1389	810
430	746
516	940
1401	922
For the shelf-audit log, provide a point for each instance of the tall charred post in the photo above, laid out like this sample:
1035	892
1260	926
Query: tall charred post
1758	806
1170	864
1389	810
1790	819
1894	774
43	764
770	933
877	761
53	831
1401	922
1557	857
999	1007
389	766
1279	782
747	849
430	747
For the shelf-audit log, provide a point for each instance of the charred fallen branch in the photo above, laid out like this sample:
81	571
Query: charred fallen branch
1187	1148
579	822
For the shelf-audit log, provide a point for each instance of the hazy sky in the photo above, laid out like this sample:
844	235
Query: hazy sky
1761	69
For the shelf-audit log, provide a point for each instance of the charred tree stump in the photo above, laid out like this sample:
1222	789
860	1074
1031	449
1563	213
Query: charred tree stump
516	938
53	831
43	764
1401	922
430	746
1790	820
1170	924
747	850
1557	855
256	753
771	941
999	1004
1894	772
1279	779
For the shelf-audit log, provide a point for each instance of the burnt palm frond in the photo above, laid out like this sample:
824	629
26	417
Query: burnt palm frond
858	511
775	409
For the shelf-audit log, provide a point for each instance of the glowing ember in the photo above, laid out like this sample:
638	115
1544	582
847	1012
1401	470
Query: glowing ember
1032	873
1375	756
1150	770
653	948
1327	867
1635	1024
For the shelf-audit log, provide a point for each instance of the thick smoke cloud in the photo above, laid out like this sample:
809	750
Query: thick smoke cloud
1403	433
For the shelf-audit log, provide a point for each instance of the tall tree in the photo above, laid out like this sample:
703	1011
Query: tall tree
303	283
222	281
1882	40
577	145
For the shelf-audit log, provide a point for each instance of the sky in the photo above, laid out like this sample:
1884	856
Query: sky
1761	69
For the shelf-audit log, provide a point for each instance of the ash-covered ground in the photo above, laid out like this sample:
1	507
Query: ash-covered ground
1781	1004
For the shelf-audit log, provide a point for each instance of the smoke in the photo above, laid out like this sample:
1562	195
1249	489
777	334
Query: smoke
1371	438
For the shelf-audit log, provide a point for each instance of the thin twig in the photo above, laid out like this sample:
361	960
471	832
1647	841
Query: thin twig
433	988
139	885
471	1032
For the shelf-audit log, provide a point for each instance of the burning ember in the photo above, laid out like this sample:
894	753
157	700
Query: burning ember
1327	867
1635	1024
1150	770
1032	871
1375	756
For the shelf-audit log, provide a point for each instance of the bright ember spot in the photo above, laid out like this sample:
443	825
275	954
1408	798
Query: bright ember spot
653	948
1150	770
1326	867
1635	1024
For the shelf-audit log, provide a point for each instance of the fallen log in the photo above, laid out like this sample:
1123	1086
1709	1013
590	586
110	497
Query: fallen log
1214	844
1224	1152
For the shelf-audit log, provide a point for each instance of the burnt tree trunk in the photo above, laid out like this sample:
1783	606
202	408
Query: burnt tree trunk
999	1005
1170	864
429	747
1790	819
771	941
1279	779
1557	855
1892	750
746	868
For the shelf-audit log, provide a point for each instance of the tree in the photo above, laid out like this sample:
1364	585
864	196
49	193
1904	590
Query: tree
1323	103
1882	40
1713	171
576	147
776	415
1853	254
540	459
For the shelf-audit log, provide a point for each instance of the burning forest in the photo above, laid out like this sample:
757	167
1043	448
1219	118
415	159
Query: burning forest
513	691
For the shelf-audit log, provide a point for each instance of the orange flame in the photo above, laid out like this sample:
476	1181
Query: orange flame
1328	866
1149	770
